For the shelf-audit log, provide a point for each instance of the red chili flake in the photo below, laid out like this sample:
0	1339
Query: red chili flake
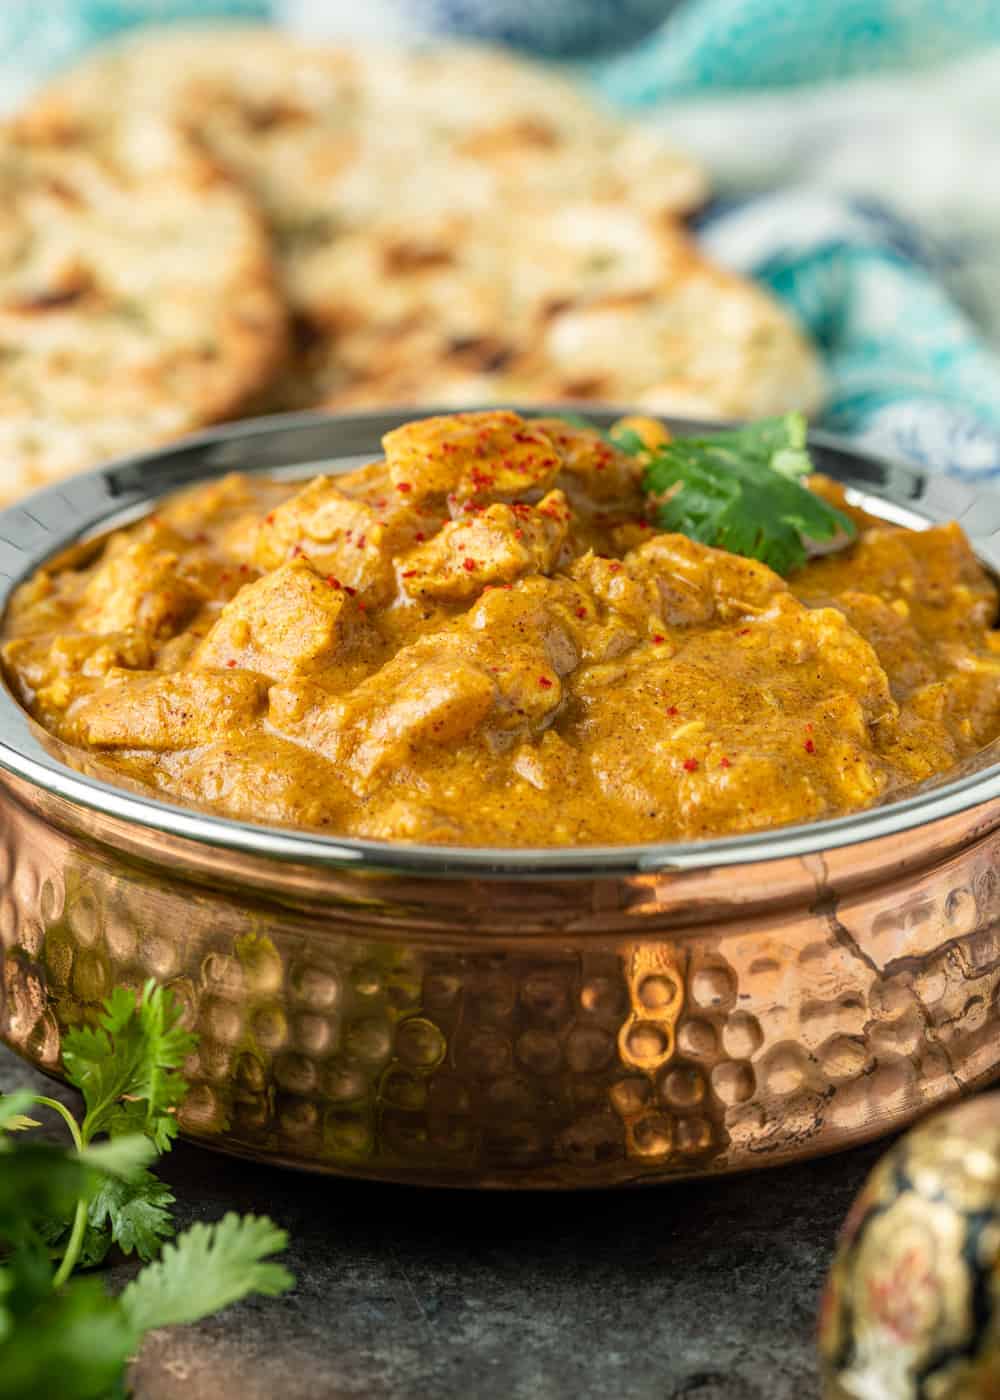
809	728
269	519
724	763
231	663
690	765
744	631
673	710
362	607
581	612
225	576
349	590
469	565
359	543
420	536
296	550
408	573
545	682
333	582
519	533
381	503
658	639
244	568
810	746
404	486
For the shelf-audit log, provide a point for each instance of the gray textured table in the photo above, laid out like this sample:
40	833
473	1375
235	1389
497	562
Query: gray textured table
705	1291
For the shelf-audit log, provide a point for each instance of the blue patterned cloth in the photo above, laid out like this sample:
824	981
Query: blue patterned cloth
740	44
910	375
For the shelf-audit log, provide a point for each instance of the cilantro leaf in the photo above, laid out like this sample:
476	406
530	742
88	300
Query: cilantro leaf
740	490
40	1181
205	1269
63	1336
134	1054
123	1157
73	1343
12	1117
135	1214
93	1248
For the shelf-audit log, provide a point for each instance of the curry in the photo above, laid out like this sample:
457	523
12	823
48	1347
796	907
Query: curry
483	640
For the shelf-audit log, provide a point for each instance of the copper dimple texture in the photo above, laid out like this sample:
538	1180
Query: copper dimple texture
547	1035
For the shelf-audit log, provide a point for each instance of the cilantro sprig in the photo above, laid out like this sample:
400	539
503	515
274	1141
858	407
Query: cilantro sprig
741	490
62	1209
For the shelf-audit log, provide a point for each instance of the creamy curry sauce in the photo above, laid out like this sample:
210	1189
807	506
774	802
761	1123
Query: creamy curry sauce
483	640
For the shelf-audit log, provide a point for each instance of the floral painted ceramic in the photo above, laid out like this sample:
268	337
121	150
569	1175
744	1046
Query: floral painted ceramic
911	1310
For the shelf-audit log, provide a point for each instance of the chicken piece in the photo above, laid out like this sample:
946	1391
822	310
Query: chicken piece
907	657
149	710
498	669
494	546
549	764
630	603
796	729
419	699
592	471
290	622
49	674
933	571
39	661
470	459
142	585
342	536
692	583
261	777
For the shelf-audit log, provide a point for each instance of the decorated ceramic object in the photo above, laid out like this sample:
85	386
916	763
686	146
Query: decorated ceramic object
911	1309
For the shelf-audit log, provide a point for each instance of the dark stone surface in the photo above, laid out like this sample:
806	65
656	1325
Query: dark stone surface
699	1291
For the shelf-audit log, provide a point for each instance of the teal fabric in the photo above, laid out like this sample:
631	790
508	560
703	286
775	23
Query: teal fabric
732	44
908	373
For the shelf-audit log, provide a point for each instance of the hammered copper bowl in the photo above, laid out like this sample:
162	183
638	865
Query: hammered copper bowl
504	1018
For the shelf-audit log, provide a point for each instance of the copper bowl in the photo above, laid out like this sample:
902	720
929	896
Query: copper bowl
497	1018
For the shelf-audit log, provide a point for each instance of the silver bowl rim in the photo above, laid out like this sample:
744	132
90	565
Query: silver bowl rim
65	513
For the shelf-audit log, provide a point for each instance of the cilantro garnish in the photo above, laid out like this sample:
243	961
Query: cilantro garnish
741	490
62	1209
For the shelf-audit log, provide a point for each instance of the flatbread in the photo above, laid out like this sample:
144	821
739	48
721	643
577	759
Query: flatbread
137	296
409	194
458	225
588	301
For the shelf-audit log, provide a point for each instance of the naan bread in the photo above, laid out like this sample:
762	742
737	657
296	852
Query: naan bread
588	301
137	296
455	224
